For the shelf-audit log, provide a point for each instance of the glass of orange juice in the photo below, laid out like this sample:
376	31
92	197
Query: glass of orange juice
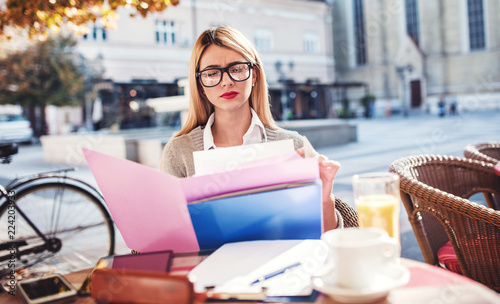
377	200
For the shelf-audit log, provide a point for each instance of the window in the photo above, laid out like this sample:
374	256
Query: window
311	43
475	11
359	33
96	33
263	40
412	20
165	32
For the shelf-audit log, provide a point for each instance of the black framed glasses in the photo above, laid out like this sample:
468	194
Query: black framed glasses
239	71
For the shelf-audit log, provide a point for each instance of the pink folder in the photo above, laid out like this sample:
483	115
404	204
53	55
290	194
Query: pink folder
150	207
274	170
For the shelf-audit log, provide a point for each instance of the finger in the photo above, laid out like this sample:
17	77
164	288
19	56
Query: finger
322	158
301	151
330	169
330	163
324	161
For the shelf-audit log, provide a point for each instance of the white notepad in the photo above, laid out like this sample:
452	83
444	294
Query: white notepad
234	266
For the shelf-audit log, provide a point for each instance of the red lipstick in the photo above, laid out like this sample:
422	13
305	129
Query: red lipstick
229	95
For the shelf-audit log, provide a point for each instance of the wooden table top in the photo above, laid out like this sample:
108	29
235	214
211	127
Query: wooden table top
428	284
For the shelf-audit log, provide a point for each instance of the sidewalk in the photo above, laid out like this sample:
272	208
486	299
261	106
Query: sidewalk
380	142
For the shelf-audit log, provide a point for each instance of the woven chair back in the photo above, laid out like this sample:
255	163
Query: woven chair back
488	152
434	190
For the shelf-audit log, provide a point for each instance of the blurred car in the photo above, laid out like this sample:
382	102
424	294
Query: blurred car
15	128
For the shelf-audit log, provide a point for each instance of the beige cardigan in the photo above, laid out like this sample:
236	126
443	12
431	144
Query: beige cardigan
177	156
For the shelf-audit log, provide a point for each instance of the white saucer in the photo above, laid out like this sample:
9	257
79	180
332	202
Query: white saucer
391	277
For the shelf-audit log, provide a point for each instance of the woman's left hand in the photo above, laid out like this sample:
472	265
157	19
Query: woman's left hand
327	171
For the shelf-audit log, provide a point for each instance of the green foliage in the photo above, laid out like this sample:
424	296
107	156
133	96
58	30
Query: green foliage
43	74
367	98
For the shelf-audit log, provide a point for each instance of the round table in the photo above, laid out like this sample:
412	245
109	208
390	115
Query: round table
427	284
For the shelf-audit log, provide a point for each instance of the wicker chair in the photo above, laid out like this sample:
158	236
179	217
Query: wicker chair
349	214
434	191
488	152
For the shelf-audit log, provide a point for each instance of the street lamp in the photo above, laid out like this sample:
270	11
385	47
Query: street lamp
401	70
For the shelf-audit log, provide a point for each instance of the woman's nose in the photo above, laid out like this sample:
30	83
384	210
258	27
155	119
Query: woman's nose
226	80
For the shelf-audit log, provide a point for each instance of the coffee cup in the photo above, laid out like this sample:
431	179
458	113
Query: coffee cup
357	255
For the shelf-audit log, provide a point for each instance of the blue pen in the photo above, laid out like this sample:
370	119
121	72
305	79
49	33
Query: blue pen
275	273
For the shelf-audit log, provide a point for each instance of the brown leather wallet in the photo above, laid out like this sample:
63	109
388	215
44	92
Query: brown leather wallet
144	287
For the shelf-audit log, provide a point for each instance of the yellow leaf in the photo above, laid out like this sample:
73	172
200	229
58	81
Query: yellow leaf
55	29
68	12
41	14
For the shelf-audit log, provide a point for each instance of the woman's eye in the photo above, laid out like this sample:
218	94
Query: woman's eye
212	73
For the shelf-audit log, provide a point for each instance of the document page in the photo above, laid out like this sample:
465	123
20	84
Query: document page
229	158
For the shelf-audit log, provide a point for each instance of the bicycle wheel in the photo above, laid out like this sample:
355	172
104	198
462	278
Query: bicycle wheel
62	212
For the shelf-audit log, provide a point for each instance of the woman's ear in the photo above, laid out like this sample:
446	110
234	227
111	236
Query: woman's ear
255	76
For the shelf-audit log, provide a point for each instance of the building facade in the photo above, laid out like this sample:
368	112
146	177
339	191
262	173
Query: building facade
413	53
146	57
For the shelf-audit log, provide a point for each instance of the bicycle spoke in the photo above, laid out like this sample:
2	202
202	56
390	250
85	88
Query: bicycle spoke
56	210
80	228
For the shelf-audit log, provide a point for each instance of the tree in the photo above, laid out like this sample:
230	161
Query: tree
43	16
44	74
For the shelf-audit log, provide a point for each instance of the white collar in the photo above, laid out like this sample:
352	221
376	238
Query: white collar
256	133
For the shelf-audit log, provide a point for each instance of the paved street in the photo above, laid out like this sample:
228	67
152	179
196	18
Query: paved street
380	142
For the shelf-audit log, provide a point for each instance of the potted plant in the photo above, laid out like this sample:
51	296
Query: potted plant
368	102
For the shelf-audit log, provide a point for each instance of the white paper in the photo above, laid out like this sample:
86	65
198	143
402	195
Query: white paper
234	266
229	158
308	149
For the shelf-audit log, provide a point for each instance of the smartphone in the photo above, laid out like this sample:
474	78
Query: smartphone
159	261
46	289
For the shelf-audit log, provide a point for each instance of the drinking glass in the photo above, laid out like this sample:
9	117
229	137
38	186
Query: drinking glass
377	200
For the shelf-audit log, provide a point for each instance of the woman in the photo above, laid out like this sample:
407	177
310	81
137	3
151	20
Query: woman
230	106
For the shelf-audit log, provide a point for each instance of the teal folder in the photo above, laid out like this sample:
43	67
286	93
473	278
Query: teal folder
289	213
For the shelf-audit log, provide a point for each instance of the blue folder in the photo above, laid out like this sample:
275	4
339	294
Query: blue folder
290	213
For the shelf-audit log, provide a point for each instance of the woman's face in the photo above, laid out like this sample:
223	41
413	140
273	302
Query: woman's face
228	95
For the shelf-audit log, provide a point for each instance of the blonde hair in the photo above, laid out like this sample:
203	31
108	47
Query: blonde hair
200	108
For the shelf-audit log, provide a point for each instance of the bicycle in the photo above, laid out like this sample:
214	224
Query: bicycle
51	222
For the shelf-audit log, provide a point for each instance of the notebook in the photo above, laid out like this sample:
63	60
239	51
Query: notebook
235	267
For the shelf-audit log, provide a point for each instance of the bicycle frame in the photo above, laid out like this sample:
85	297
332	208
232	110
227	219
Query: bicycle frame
6	246
37	249
17	183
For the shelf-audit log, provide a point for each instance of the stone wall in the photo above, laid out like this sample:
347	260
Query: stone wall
145	145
